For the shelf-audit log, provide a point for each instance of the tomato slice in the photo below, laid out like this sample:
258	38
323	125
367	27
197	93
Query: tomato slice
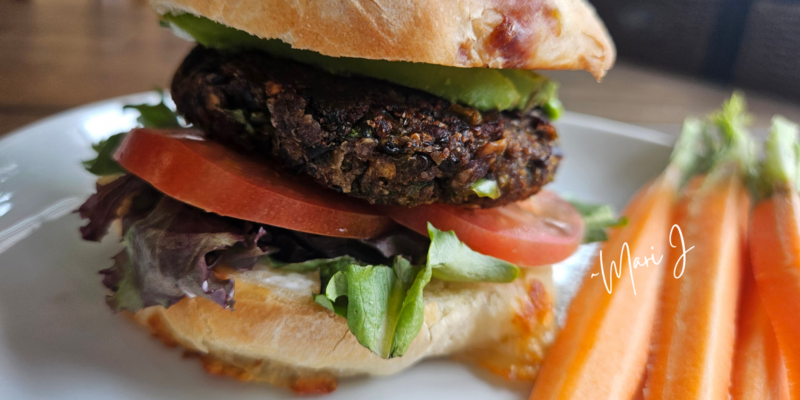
541	230
207	175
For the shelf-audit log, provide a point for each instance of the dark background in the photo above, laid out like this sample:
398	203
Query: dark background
677	58
748	43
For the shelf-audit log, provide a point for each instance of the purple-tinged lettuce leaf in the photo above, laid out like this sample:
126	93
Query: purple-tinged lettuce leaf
401	241
171	254
110	202
245	254
299	247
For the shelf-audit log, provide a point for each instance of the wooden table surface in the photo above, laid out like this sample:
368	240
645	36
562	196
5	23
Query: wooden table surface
58	54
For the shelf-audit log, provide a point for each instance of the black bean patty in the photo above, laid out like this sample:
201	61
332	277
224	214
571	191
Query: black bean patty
364	137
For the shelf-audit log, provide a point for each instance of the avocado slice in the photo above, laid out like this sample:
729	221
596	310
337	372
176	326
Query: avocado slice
483	88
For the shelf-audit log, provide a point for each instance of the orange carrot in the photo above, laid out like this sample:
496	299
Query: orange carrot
758	370
775	245
694	340
693	344
602	351
639	393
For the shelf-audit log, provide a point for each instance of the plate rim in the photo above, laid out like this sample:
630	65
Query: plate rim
600	125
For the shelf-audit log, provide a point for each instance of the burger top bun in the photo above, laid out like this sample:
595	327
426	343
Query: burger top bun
523	34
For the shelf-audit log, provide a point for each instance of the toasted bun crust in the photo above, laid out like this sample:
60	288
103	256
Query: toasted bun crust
279	335
533	34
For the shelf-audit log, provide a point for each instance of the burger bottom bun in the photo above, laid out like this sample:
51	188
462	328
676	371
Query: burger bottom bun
276	333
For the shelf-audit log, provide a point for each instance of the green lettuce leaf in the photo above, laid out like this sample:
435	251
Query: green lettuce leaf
384	305
155	115
104	163
325	264
452	260
375	297
597	218
333	291
412	313
150	116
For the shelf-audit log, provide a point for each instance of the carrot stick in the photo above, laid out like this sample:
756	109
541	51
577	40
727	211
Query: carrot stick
693	345
602	351
694	337
775	245
639	393
758	370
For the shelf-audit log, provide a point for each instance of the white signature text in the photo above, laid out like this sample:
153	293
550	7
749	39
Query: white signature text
615	269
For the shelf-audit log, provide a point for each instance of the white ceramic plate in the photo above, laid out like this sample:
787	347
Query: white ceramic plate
59	340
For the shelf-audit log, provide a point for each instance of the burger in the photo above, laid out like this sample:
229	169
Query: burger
348	187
